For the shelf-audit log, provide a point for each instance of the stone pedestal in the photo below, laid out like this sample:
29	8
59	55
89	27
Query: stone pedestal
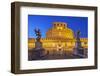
38	51
79	52
38	45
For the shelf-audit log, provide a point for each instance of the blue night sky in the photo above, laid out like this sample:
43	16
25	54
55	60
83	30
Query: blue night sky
44	22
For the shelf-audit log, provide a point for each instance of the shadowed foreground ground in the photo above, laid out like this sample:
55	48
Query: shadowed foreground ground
48	56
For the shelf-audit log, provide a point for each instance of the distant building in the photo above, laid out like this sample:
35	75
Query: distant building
58	38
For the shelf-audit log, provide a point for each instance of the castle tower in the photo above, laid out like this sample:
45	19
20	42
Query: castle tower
60	30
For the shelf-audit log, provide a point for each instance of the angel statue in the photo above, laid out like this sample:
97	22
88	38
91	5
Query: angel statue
78	35
78	39
38	34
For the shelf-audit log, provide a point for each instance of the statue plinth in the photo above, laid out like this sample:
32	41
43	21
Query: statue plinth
38	45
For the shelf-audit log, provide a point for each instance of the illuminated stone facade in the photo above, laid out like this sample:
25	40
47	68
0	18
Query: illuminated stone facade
59	37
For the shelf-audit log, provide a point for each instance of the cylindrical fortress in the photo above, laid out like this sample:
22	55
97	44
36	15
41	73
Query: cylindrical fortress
59	36
60	30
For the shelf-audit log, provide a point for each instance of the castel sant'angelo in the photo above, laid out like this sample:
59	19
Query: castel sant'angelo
59	38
